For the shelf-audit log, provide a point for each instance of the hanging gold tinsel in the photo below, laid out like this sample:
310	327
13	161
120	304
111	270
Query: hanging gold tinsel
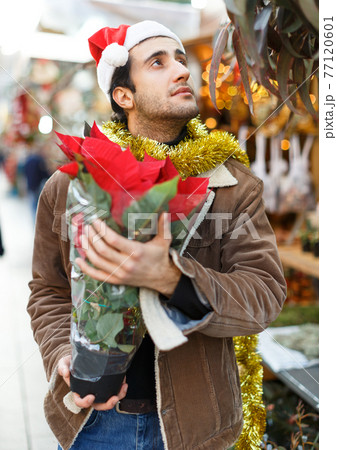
199	152
251	376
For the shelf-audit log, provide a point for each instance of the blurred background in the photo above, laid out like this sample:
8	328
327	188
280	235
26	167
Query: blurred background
48	83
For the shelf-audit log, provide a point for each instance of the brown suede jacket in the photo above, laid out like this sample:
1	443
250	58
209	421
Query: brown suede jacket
233	263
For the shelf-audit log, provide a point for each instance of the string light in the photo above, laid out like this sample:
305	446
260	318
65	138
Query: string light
199	4
312	98
232	90
210	122
45	125
228	104
205	76
285	144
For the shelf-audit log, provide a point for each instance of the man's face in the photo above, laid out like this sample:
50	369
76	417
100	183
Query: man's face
164	88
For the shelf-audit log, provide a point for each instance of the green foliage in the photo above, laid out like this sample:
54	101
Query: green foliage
109	315
155	201
108	326
297	315
274	42
291	424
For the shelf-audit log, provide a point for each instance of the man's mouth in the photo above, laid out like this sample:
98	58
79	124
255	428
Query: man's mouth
183	90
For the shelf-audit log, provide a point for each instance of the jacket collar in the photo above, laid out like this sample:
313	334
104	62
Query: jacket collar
219	176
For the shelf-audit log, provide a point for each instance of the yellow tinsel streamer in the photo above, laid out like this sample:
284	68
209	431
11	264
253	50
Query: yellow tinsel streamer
251	376
199	152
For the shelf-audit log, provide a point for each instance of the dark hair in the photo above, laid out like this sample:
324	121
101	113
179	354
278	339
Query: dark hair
122	78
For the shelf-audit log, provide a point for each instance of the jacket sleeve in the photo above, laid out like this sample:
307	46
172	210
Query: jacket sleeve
185	297
247	294
50	300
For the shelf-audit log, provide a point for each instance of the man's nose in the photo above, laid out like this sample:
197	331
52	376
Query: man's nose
181	72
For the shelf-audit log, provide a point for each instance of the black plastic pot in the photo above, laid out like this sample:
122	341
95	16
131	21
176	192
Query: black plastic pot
108	368
103	389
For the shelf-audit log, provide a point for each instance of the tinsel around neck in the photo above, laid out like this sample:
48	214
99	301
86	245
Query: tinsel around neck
197	153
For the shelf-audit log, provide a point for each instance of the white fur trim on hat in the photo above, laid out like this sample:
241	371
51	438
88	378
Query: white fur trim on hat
115	55
145	30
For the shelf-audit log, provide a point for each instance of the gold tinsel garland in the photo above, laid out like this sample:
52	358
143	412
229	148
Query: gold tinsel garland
251	376
199	152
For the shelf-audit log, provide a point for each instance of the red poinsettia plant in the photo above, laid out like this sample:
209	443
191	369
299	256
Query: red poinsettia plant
109	183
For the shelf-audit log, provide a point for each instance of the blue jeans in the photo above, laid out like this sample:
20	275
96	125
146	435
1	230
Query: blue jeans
112	430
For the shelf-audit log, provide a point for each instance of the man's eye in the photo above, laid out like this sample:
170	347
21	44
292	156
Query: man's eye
156	62
183	62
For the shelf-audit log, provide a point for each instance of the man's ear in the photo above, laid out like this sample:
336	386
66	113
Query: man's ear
123	97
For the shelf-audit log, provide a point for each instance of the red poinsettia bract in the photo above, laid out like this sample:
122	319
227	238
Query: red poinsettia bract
123	177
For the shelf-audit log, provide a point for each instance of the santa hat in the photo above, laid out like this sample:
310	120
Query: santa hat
110	47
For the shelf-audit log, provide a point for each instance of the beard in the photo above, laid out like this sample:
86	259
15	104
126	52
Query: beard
152	109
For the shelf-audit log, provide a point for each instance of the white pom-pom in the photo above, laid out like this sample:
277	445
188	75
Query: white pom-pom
115	55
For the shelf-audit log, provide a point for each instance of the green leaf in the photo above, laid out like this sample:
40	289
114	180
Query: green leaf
154	201
282	15
131	296
261	27
293	26
302	78
108	326
243	69
90	330
86	130
289	4
114	226
283	68
126	348
99	198
236	6
262	18
246	24
84	311
310	10
218	50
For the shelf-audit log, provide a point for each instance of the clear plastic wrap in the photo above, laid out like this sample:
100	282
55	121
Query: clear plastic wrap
107	326
109	183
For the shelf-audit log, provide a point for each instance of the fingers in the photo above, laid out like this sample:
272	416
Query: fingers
111	403
104	253
96	274
89	400
164	228
63	368
84	402
101	231
104	270
103	245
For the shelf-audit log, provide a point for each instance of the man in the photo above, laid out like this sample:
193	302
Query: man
36	174
228	283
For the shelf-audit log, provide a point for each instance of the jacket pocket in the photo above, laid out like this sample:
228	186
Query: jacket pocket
93	419
233	373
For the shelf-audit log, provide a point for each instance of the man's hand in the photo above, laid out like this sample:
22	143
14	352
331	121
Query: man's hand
88	400
119	260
